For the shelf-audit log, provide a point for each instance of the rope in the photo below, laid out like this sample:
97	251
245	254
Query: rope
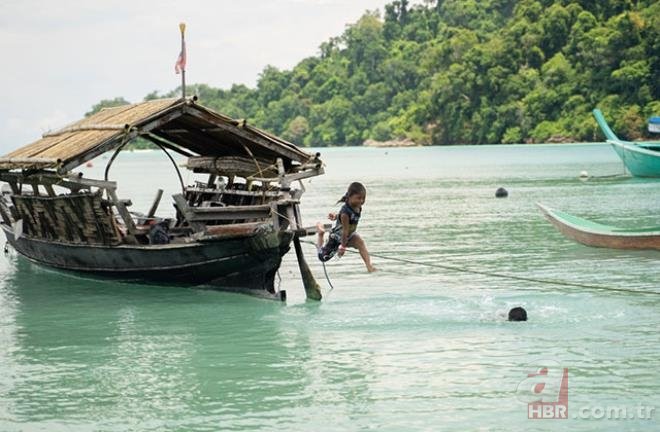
325	270
178	173
505	276
279	280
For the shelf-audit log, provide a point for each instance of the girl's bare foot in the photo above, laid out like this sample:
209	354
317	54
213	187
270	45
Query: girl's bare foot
371	268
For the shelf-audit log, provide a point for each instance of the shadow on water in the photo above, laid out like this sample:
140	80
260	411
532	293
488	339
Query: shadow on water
136	356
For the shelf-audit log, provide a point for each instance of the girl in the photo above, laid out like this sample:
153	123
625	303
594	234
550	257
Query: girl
343	234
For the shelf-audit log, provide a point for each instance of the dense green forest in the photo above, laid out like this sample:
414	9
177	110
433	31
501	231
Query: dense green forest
463	72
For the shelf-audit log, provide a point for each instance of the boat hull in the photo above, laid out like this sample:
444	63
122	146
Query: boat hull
597	235
243	264
640	161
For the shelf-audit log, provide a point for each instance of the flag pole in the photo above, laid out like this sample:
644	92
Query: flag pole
182	27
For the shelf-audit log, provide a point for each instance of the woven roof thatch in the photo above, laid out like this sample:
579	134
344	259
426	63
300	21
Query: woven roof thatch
178	124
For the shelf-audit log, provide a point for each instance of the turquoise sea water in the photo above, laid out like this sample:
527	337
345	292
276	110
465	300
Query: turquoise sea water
408	348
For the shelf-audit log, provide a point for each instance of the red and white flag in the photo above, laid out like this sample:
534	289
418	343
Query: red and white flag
180	64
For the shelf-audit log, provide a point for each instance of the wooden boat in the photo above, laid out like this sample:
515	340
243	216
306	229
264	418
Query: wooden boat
642	159
595	234
230	230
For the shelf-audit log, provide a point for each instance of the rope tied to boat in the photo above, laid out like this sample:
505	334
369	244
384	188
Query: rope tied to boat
461	269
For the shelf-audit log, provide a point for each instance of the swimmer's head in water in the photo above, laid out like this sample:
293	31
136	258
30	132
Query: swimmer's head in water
517	314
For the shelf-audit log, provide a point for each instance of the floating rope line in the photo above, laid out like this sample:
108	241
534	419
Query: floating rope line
502	275
608	176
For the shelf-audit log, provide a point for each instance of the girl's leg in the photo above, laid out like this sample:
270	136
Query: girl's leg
320	233
359	244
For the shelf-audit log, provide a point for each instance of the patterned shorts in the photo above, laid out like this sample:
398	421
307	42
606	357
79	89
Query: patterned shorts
330	248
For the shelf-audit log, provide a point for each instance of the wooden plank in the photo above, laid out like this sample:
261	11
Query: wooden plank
7	160
234	229
16	190
92	127
200	214
232	209
290	178
154	206
211	182
231	165
232	192
73	225
5	213
103	184
166	143
70	181
123	212
230	213
49	190
275	216
184	209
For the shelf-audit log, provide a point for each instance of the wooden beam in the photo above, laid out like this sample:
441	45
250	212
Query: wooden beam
154	206
5	213
182	206
103	184
271	194
290	178
123	212
72	181
231	165
92	127
50	190
13	160
229	212
15	188
167	144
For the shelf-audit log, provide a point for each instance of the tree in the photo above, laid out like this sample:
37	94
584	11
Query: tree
463	71
296	130
107	103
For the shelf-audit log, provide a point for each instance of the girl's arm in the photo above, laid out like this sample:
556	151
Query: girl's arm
345	226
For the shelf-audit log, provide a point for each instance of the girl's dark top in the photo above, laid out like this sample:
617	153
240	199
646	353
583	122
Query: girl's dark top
334	240
353	219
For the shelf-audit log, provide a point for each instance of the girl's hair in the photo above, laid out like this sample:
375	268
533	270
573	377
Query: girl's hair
353	189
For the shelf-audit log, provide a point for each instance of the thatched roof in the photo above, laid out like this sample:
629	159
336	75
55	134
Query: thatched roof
177	124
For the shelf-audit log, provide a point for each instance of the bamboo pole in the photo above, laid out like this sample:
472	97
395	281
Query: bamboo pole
182	27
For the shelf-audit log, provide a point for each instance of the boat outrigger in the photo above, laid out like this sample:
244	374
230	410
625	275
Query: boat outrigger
599	235
642	159
230	230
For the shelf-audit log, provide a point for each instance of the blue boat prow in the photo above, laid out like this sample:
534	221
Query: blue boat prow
654	124
641	159
600	119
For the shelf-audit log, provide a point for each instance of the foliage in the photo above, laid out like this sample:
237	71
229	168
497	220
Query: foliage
107	103
137	143
464	71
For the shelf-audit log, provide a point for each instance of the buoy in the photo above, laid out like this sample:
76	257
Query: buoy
501	193
584	174
518	314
